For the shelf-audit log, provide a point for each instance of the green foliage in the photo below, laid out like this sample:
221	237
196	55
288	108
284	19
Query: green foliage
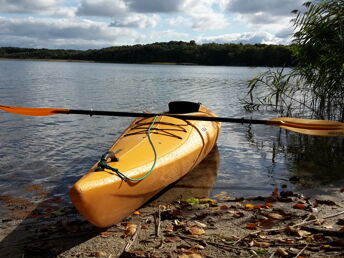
316	85
169	52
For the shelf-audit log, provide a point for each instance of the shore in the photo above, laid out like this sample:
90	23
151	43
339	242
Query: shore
306	223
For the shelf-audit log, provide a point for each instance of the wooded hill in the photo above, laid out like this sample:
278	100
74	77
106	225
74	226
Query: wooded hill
168	52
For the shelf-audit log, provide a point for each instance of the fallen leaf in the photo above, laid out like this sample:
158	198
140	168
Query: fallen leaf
275	216
130	230
169	228
281	252
199	224
224	207
251	226
105	234
196	231
238	214
261	244
268	205
208	200
249	206
171	239
193	201
298	232
299	206
137	213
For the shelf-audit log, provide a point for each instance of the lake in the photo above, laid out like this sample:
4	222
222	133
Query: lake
53	152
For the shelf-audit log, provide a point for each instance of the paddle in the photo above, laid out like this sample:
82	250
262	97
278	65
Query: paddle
299	125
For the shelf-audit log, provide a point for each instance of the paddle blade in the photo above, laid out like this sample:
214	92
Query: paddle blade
309	126
34	111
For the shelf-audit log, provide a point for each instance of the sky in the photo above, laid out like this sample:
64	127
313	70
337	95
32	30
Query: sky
94	24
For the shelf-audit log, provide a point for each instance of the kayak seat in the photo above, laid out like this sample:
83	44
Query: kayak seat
180	107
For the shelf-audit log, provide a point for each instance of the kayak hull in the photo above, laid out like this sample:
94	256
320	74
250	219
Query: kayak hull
104	198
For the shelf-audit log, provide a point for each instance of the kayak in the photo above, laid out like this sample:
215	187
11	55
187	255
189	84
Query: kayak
148	156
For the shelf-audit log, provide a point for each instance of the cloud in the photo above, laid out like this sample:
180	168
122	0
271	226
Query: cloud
245	38
137	21
200	15
166	35
53	33
42	7
102	8
154	6
272	7
208	21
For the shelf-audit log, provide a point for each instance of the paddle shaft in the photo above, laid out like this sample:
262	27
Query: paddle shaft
185	117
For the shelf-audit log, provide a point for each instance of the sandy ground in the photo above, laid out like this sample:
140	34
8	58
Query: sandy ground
179	223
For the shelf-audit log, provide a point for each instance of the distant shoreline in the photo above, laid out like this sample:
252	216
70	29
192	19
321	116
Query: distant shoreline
91	61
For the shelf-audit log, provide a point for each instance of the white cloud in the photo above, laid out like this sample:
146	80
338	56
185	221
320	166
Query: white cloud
208	21
52	33
245	38
166	35
137	21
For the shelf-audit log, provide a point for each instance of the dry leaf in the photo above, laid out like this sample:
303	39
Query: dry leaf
249	206
275	216
190	256
130	230
105	234
199	224
260	244
137	213
268	205
224	207
267	223
169	228
251	226
238	214
298	232
281	252
196	231
171	239
299	206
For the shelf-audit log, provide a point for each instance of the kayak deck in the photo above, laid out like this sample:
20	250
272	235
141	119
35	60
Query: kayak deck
104	198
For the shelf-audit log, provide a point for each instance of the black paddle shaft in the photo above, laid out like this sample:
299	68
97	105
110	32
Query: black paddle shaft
185	117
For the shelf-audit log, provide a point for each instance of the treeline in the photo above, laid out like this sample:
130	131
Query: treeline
168	52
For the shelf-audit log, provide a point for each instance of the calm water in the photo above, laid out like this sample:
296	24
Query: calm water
55	151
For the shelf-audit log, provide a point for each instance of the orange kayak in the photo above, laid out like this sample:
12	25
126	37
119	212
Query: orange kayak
149	155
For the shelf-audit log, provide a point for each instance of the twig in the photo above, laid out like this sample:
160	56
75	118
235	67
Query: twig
157	220
132	239
324	231
303	249
283	228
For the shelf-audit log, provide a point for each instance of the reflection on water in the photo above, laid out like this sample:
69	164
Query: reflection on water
197	183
